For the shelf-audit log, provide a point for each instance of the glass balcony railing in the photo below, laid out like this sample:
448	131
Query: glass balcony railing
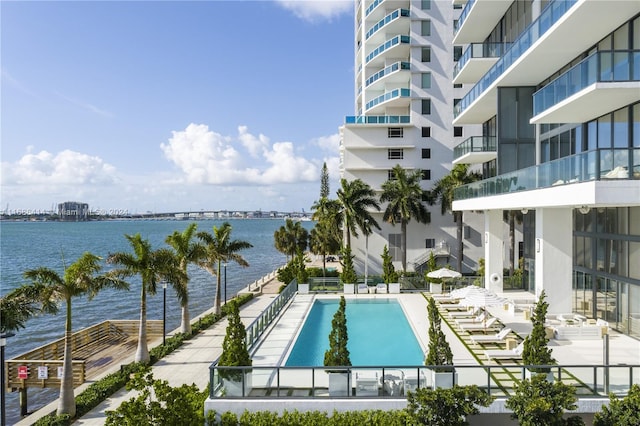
549	16
393	94
475	144
463	16
384	21
388	70
600	164
404	39
394	382
479	50
603	66
377	119
372	6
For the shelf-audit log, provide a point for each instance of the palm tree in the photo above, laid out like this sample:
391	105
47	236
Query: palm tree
22	303
188	252
290	238
81	277
356	197
219	248
153	267
443	191
326	237
404	195
511	217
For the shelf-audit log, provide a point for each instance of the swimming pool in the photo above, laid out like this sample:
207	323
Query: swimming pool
379	334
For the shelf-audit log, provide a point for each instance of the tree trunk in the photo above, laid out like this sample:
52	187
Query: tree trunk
512	241
218	294
403	227
142	353
185	326
458	219
67	402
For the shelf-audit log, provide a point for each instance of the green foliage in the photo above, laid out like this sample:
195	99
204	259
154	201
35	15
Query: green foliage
287	273
287	418
535	350
439	350
301	268
348	275
432	265
317	272
445	407
291	237
479	281
234	346
158	403
324	181
53	420
389	274
625	411
540	402
338	354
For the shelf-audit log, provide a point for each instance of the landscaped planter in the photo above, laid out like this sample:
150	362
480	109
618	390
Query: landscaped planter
339	383
443	379
303	288
349	288
435	288
394	287
528	374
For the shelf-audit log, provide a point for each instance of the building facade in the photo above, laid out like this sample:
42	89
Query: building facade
404	102
73	211
555	89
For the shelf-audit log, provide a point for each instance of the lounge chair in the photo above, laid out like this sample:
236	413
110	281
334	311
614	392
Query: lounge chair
489	324
465	314
454	307
515	353
475	320
491	338
381	288
363	289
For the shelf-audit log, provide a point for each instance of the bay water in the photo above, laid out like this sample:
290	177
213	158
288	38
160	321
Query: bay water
29	245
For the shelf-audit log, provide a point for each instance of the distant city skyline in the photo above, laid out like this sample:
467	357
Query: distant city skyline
169	106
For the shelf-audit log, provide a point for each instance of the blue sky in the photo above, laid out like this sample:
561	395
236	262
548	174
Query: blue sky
163	106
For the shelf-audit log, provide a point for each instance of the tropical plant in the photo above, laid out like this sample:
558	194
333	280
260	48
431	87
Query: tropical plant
324	240
187	252
479	281
432	265
512	217
234	347
356	198
326	235
301	274
220	248
389	274
82	277
445	407
21	304
439	352
348	274
338	355
404	195
624	411
291	237
154	267
540	402
535	350
443	190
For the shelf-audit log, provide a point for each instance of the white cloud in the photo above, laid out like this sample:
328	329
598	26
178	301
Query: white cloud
313	10
255	146
330	143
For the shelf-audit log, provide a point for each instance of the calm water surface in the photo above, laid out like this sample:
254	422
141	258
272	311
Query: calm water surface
27	245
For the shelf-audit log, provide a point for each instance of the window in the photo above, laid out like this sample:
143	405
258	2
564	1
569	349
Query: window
395	246
457	86
426	132
426	152
457	52
391	175
430	243
426	175
457	131
426	54
395	154
467	232
425	28
426	80
426	5
395	132
426	106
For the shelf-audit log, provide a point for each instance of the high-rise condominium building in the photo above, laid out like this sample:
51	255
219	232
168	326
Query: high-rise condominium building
555	89
404	103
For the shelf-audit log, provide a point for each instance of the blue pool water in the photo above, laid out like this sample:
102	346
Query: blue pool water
379	334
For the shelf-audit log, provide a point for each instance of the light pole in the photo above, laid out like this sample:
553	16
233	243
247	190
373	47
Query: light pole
366	251
225	282
164	312
3	342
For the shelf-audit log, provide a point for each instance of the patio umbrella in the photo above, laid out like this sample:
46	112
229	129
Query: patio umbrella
460	293
481	297
444	273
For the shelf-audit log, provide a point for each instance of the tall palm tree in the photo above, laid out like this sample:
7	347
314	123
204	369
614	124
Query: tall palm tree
356	197
22	303
443	192
154	267
188	251
80	278
290	238
404	195
221	248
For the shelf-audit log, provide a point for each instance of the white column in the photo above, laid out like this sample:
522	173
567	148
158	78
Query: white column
554	257
493	246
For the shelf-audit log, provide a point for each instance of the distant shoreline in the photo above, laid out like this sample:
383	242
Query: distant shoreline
158	217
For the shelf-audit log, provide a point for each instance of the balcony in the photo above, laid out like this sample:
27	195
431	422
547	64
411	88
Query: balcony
390	74
377	119
603	82
601	165
477	19
476	60
475	150
388	23
398	44
393	98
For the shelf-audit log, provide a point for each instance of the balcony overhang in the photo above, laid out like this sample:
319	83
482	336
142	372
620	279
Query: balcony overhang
601	193
482	109
591	102
473	70
480	20
476	157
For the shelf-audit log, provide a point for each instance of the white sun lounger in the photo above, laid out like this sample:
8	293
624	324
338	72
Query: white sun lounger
515	353
465	314
454	307
491	338
381	288
489	324
475	320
